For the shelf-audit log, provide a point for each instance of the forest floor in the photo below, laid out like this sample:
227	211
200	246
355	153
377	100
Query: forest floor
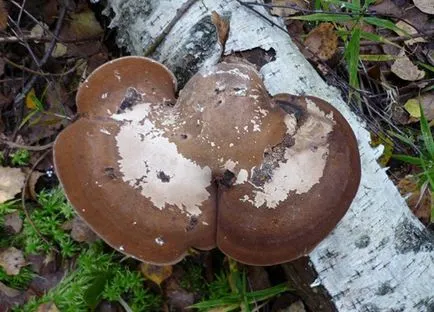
381	57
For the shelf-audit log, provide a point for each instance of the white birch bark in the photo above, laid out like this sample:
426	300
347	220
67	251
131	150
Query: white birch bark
379	257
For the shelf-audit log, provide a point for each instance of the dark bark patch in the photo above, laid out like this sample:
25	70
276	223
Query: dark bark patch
363	241
384	289
409	238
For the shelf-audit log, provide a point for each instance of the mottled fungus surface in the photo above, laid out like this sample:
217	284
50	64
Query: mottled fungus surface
263	178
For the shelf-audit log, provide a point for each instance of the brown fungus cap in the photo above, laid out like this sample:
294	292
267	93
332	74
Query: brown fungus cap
263	178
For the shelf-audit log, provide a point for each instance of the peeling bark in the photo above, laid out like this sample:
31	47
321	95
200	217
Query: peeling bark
379	257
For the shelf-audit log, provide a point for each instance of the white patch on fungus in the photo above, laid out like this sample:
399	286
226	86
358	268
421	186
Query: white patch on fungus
242	177
155	167
105	131
104	95
304	162
230	165
121	248
159	241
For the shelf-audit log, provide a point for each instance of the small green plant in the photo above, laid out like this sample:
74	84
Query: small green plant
193	280
99	275
20	281
425	160
20	158
47	220
354	17
230	293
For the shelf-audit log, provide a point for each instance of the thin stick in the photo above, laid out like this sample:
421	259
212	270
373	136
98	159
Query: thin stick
39	73
181	11
23	201
44	59
27	147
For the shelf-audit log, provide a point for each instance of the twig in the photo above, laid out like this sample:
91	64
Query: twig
44	59
23	201
34	19
27	147
181	11
39	73
41	38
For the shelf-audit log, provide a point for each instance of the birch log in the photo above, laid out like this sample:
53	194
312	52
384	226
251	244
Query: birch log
379	257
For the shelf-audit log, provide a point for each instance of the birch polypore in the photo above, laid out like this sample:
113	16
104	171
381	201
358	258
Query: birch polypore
379	257
223	165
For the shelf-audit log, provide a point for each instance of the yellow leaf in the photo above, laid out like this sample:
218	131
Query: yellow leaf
156	273
30	100
412	106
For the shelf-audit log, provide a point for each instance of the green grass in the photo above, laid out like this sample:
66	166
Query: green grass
355	16
425	160
99	275
229	292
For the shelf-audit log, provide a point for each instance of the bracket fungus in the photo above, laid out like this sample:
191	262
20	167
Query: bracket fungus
263	178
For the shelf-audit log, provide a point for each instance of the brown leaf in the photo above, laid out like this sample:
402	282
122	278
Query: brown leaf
13	222
322	41
156	273
419	204
11	182
81	232
3	16
48	307
291	7
222	25
12	260
409	30
426	6
405	69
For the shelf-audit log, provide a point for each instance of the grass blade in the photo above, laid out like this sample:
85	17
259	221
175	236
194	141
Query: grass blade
352	55
377	38
426	134
380	22
377	57
408	159
325	17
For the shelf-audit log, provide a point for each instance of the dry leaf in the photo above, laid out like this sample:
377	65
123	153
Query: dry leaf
59	49
13	222
156	273
12	260
405	69
412	106
3	16
81	232
292	7
322	41
410	30
7	291
38	31
47	307
426	6
222	25
420	204
84	25
11	183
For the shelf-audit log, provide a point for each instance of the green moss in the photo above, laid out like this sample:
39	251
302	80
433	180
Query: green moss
99	275
20	281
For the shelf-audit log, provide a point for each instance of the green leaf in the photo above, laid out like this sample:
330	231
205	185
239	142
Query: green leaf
325	17
93	294
402	138
352	55
377	57
408	159
380	22
426	66
426	134
377	38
